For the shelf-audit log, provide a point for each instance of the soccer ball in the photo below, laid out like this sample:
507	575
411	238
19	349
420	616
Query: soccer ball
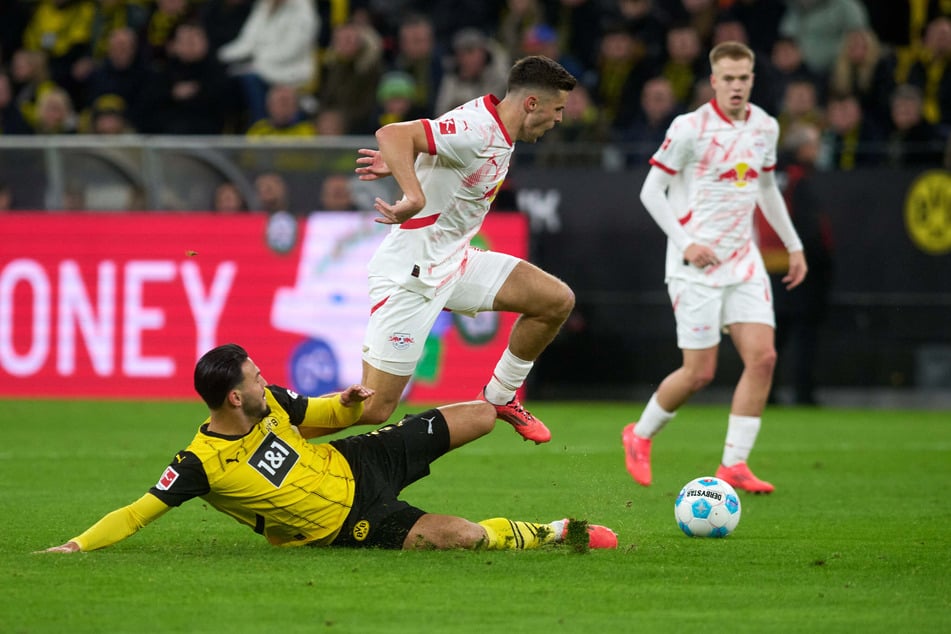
707	507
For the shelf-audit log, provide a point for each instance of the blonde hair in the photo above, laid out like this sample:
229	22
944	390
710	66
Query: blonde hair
845	77
731	50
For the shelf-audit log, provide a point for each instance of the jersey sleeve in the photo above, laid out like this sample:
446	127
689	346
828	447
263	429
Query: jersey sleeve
121	523
454	139
327	412
291	402
182	480
323	412
772	141
676	150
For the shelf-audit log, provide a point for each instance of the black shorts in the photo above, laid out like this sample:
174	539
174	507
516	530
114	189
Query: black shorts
384	462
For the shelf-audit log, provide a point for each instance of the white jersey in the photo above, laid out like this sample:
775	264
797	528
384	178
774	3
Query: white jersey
716	164
468	159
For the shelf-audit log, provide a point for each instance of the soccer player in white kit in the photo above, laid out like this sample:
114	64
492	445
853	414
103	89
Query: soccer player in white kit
714	166
449	170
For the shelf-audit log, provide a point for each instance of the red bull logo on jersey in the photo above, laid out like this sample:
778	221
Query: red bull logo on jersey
741	175
401	340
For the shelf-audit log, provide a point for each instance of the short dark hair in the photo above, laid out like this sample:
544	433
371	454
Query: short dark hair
218	372
538	71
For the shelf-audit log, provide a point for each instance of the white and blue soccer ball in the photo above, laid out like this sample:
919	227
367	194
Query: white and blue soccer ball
707	507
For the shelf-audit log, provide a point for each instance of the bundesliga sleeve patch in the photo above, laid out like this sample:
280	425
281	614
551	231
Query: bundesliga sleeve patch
274	459
167	480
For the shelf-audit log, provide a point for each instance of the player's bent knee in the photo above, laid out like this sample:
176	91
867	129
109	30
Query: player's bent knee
764	362
701	378
560	304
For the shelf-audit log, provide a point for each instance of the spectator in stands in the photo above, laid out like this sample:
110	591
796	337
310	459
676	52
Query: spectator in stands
787	61
541	39
55	113
851	139
800	105
621	71
701	15
350	75
684	61
449	18
581	126
335	193
931	72
29	79
62	29
416	55
107	115
760	19
800	314
271	189
228	199
188	93
123	72
395	99
645	20
275	46
11	119
579	25
112	15
330	122
284	115
479	66
165	17
223	20
819	28
911	140
702	93
659	106
863	69
518	17
272	198
901	26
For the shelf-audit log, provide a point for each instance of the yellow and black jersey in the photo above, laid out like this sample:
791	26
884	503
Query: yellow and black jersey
272	478
60	28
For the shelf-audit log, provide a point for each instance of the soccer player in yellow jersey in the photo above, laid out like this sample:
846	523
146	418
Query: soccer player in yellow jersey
251	459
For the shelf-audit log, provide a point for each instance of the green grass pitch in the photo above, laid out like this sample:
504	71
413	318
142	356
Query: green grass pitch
857	537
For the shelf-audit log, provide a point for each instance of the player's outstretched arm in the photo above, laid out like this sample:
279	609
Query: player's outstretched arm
332	412
115	526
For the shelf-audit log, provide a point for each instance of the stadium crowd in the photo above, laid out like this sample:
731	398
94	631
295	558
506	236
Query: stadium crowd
871	77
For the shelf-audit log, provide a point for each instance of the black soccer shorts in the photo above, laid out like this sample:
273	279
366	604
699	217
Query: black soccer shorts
384	462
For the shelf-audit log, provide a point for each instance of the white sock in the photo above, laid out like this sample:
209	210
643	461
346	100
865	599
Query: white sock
652	419
510	373
558	528
740	438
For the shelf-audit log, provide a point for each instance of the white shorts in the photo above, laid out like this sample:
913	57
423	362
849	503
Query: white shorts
400	320
703	311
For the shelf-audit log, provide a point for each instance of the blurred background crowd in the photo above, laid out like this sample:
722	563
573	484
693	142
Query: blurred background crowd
870	77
